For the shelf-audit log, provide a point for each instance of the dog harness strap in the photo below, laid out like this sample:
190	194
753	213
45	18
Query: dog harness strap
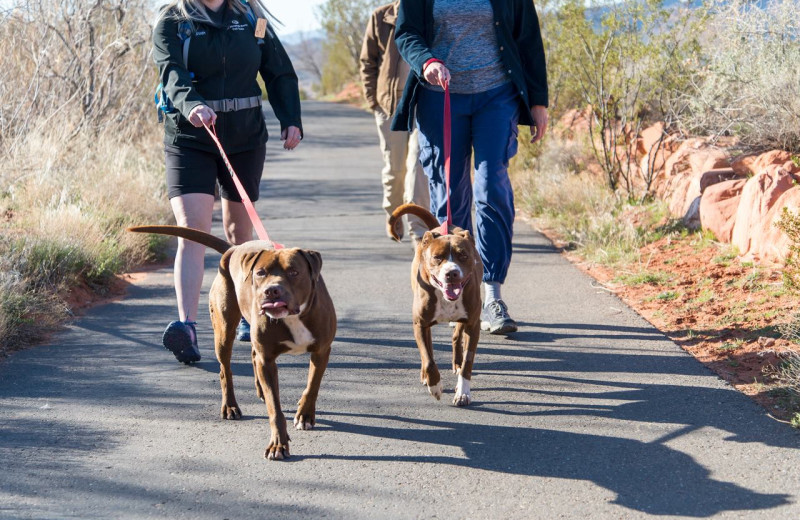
248	205
447	138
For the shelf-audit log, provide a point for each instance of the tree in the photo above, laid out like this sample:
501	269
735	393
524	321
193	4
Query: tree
625	61
344	23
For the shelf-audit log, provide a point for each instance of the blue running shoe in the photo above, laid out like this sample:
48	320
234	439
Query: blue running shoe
180	338
243	330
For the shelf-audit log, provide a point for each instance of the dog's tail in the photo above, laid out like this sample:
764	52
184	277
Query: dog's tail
409	209
195	235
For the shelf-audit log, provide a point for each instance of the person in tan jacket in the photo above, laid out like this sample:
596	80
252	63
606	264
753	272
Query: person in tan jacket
384	74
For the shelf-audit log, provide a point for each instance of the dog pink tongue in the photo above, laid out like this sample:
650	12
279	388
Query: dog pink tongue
271	306
452	291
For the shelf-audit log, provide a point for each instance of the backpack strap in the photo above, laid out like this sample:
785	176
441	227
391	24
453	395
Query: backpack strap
185	31
251	18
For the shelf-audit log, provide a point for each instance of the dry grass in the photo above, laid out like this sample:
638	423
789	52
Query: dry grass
578	208
82	155
749	85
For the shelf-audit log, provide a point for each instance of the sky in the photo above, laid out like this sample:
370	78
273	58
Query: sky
296	15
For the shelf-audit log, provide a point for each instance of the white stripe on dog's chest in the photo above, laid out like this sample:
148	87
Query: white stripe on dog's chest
302	336
447	310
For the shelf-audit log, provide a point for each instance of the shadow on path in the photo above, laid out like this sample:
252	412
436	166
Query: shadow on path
646	477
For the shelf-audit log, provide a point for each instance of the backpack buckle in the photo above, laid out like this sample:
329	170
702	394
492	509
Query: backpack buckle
228	105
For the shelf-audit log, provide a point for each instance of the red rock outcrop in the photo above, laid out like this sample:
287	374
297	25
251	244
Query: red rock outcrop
718	206
684	172
754	218
750	164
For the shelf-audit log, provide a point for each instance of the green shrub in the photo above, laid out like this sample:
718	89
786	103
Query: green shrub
344	23
790	224
624	60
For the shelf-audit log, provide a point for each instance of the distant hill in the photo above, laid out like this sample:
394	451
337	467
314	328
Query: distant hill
296	37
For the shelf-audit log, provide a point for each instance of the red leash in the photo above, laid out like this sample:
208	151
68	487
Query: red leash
248	205
445	228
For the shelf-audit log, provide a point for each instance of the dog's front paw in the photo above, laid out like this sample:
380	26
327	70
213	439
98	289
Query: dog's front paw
303	421
462	397
436	390
230	411
277	451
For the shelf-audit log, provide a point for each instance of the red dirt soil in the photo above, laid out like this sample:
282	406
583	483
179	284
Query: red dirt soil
724	312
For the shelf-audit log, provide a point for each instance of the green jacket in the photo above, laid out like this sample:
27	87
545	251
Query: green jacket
225	60
519	39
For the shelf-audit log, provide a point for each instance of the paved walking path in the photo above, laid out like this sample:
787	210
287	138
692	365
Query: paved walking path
587	412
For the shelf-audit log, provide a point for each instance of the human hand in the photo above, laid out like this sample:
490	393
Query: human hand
290	137
436	74
539	115
202	115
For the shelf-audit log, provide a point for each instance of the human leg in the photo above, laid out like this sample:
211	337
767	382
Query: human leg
191	210
416	186
191	178
394	147
431	142
180	337
495	138
236	222
249	167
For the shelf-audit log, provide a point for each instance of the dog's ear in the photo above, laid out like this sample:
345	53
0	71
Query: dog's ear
429	237
466	234
314	260
249	263
225	261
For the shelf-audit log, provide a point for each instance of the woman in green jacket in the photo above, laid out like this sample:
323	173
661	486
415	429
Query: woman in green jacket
209	54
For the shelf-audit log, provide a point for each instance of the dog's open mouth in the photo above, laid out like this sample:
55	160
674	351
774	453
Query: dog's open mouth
451	291
275	309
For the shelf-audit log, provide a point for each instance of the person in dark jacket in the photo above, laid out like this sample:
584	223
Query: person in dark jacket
209	53
491	55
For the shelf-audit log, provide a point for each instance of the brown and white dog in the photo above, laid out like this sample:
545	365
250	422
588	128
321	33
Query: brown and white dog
445	279
282	295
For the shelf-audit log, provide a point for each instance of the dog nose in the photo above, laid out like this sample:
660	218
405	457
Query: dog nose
273	292
451	276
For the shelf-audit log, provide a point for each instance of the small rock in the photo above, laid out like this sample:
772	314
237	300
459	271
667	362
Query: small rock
766	342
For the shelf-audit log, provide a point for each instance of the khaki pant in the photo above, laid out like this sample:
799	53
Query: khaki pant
402	175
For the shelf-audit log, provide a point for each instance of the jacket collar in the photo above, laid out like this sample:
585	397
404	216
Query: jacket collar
391	14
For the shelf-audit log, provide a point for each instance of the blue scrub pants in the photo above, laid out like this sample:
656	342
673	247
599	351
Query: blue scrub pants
487	123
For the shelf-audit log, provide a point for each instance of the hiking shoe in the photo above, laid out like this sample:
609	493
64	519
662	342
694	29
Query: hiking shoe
495	318
180	338
243	330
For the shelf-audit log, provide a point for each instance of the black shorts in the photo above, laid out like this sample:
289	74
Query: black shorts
195	171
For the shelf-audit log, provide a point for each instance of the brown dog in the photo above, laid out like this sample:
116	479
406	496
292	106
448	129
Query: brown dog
445	279
282	295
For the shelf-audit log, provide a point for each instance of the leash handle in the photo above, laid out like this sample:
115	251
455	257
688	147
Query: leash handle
248	205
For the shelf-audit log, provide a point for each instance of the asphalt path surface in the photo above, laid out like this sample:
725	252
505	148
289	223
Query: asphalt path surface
586	412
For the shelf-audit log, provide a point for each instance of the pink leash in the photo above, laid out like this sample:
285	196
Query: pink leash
445	227
248	205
